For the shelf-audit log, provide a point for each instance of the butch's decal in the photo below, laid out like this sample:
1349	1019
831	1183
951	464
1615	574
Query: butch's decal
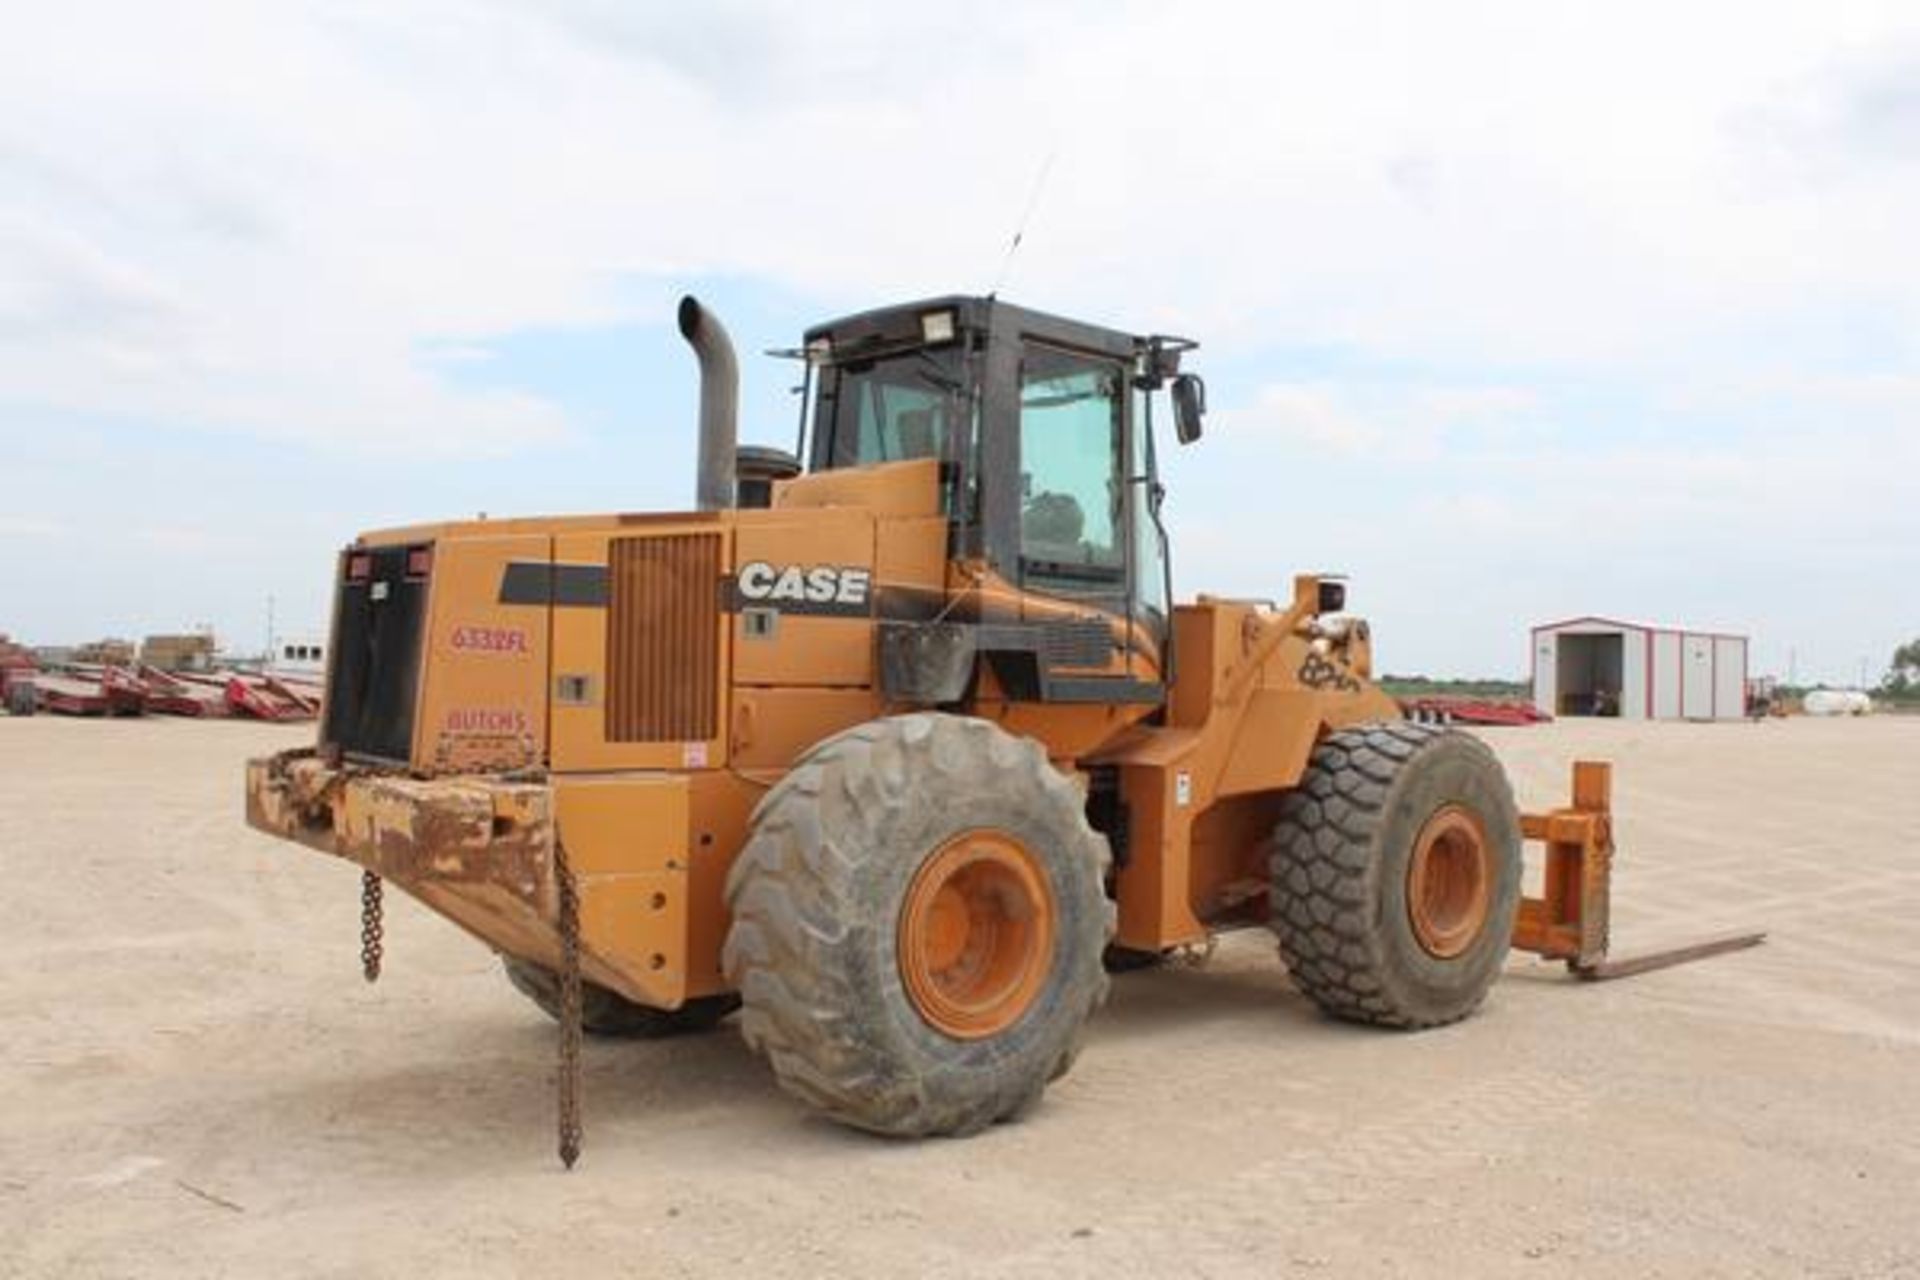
844	591
473	738
506	641
486	722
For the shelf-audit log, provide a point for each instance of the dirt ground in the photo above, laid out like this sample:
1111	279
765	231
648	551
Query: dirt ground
196	1082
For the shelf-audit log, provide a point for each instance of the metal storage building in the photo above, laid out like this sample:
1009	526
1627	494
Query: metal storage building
1638	671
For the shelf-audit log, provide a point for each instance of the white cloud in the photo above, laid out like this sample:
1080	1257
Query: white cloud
29	527
182	538
1362	418
1475	405
1312	414
258	218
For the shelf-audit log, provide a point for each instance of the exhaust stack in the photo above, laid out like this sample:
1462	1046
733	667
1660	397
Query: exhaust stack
719	403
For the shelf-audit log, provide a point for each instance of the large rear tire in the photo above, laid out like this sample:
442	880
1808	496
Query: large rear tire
918	920
1396	875
608	1013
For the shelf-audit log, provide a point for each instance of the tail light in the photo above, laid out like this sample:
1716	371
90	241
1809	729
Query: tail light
419	561
359	567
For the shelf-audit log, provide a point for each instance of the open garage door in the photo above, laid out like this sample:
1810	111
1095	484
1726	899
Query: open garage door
1589	672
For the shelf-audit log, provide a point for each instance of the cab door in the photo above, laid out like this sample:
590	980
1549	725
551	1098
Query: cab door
1080	502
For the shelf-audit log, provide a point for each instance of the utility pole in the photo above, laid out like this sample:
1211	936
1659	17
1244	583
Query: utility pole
268	655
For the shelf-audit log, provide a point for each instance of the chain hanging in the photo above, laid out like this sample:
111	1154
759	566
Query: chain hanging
569	1078
370	926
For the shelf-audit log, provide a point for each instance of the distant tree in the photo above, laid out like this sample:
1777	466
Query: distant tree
1903	673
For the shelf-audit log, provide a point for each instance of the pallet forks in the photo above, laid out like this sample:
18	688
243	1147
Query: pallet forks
1571	920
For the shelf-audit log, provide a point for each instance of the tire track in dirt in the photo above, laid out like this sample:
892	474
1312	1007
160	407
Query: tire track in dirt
1231	1220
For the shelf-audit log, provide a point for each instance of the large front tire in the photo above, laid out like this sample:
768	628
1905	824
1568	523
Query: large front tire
1396	875
918	920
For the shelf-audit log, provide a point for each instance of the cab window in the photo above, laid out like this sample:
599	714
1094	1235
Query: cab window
1072	487
911	404
908	405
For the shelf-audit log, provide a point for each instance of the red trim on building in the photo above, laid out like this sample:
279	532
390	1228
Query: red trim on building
1592	617
1634	626
1713	678
1647	675
1533	671
1680	711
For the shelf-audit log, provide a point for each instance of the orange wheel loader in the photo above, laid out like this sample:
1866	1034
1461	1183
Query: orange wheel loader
898	749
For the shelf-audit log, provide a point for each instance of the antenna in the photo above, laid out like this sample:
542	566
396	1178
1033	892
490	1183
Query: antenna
1020	231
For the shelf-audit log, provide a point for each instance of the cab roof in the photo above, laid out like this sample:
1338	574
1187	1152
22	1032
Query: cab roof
900	324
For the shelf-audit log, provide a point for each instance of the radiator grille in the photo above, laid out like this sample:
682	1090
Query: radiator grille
663	638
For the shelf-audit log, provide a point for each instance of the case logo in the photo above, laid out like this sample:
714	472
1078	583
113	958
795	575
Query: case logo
822	588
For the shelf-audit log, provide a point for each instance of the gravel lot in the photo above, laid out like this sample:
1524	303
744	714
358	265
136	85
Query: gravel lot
196	1082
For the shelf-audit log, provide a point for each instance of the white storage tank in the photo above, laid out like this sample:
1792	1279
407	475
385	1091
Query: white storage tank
1836	702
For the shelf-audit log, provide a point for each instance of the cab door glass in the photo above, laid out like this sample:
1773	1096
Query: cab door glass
1072	486
1149	538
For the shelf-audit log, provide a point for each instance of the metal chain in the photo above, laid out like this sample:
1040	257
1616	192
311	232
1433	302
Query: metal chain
569	1081
370	926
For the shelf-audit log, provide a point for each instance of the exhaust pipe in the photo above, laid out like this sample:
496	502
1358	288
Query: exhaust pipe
719	403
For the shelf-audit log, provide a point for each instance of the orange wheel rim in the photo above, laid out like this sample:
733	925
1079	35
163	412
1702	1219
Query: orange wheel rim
976	934
1449	883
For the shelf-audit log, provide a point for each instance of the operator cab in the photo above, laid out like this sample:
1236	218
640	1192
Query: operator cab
1043	429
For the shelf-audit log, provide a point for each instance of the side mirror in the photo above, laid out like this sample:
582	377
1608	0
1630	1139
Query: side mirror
1189	406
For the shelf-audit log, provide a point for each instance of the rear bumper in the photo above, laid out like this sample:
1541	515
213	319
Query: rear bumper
409	830
479	850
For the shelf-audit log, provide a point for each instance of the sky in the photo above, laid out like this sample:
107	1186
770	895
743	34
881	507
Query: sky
1510	312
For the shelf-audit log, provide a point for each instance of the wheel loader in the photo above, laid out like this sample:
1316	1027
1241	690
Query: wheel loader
895	744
